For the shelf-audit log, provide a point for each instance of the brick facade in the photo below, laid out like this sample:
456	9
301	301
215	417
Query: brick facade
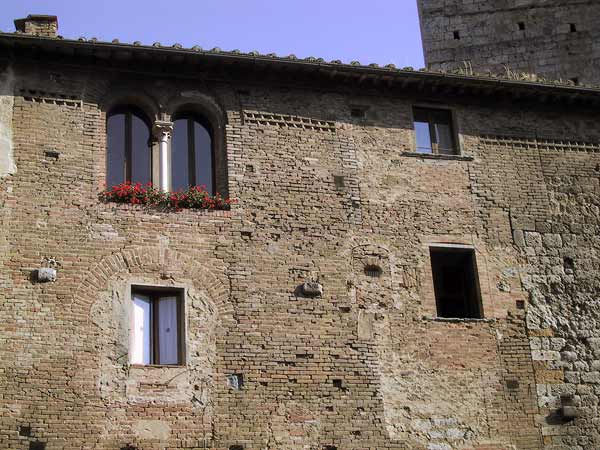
551	38
321	194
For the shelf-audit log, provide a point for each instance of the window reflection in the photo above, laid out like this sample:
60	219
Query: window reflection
128	147
191	154
434	132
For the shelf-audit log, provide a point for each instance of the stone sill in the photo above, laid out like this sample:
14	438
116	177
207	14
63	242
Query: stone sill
437	156
157	366
153	210
456	320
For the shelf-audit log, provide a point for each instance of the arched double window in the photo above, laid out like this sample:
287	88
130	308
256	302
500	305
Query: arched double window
192	153
129	156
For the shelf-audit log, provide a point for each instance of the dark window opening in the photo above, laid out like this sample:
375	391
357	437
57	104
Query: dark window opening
521	26
129	157
573	28
457	35
434	131
37	445
192	159
456	284
158	335
25	430
358	113
373	271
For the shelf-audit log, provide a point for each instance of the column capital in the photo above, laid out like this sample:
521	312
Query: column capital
162	130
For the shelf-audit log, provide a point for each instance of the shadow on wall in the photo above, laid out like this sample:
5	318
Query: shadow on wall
7	82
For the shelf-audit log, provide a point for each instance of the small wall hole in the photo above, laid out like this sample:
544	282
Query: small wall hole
573	28
25	430
521	26
37	445
236	381
338	383
457	35
569	265
339	181
236	447
520	304
512	384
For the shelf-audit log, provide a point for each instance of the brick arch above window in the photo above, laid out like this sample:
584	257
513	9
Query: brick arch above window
161	264
134	96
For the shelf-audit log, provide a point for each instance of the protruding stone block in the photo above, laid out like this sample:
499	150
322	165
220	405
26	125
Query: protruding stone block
46	274
312	289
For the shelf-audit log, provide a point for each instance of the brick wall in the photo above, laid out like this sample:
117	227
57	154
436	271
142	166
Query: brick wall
551	38
367	365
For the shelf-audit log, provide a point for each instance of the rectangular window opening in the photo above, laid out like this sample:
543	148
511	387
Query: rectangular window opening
456	283
434	131
573	28
158	334
457	35
521	26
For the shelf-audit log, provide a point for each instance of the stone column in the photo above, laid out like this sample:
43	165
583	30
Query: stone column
162	132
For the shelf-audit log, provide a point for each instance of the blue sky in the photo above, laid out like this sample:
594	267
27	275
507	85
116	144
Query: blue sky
384	31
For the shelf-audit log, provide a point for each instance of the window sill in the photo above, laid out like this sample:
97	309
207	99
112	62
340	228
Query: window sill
456	320
437	156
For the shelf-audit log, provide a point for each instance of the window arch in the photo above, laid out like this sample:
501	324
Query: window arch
192	153
128	142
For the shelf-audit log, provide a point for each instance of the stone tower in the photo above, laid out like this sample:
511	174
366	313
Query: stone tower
551	38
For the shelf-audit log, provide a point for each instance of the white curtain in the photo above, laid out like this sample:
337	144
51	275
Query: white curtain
142	330
167	331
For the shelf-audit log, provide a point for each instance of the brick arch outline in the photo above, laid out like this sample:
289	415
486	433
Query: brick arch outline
132	95
158	261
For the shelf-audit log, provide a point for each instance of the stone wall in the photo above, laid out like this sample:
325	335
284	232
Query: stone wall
551	38
7	165
365	366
